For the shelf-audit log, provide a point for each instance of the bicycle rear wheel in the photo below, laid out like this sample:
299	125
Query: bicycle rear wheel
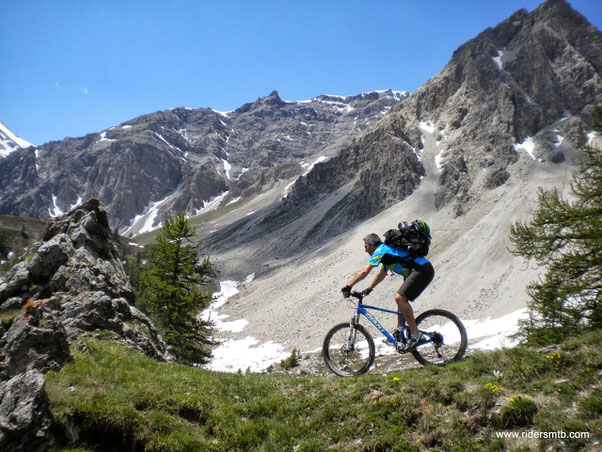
445	335
348	350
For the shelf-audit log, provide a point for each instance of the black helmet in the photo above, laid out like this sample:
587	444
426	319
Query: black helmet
422	227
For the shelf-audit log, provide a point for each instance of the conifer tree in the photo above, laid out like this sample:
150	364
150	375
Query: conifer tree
566	237
175	290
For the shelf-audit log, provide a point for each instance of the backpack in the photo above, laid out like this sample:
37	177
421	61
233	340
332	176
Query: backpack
414	238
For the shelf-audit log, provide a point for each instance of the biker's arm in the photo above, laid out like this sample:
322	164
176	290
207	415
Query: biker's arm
382	274
365	271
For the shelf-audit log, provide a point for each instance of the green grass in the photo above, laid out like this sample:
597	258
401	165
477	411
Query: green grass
7	317
117	396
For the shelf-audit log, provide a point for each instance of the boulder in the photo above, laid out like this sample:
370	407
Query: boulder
25	417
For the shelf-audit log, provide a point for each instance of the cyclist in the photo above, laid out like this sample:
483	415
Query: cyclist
418	272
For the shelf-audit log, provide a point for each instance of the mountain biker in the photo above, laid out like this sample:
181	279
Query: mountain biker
418	272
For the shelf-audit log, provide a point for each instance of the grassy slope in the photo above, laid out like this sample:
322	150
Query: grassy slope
118	397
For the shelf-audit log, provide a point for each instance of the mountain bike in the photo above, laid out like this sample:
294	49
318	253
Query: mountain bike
348	348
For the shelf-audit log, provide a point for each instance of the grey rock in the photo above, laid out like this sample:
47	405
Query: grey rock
25	417
76	254
91	312
11	303
36	340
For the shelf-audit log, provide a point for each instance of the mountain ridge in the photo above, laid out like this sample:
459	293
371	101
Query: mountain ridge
194	154
484	111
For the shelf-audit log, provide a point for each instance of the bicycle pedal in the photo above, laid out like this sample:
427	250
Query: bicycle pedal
401	349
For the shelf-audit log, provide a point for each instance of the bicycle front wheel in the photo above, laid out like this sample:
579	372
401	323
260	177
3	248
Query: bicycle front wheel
444	336
348	350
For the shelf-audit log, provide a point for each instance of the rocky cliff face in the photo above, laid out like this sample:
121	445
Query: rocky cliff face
524	85
517	94
182	159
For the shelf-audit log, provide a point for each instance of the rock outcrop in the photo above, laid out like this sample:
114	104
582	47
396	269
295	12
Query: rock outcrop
37	340
76	265
71	284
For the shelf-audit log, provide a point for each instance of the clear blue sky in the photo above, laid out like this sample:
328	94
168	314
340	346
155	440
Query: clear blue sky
72	67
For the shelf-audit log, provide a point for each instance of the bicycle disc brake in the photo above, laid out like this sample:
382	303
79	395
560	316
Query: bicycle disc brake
438	342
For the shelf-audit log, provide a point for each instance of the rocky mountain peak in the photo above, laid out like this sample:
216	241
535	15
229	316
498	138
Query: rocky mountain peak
10	142
185	158
517	94
273	99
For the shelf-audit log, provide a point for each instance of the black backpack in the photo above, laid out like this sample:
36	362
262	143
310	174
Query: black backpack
414	238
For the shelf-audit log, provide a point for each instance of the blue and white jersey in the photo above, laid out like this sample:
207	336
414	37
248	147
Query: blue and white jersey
395	260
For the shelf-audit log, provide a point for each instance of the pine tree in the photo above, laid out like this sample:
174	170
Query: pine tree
173	283
566	237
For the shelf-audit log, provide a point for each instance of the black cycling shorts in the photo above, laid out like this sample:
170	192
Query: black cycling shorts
414	284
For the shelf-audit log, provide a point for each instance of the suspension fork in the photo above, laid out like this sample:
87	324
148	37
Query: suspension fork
355	320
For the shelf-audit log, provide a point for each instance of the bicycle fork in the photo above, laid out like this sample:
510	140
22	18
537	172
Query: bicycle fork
350	345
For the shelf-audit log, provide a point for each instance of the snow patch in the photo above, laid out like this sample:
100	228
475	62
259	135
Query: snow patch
439	160
212	204
227	168
37	160
243	171
234	355
79	202
320	159
528	146
242	354
559	140
222	113
103	137
498	59
494	333
6	137
56	210
427	126
149	215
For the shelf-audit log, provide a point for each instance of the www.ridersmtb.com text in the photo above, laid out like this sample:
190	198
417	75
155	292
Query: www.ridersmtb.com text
543	435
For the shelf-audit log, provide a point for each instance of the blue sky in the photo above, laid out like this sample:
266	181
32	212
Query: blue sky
75	67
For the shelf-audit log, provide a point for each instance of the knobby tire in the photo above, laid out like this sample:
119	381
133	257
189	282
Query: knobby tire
342	360
449	329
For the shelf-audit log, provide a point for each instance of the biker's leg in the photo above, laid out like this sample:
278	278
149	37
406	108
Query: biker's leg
411	288
405	308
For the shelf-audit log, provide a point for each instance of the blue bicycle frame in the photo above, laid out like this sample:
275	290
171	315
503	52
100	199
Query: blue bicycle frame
362	309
